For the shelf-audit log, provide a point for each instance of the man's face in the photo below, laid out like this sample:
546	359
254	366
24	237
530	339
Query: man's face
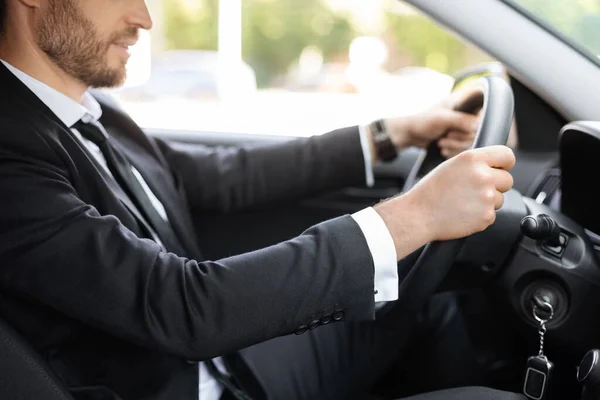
93	51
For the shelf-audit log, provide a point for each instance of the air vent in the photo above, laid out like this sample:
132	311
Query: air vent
547	186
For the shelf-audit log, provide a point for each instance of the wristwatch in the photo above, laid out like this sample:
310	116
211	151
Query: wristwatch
386	151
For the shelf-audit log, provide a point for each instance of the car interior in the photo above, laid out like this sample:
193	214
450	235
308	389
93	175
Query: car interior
538	261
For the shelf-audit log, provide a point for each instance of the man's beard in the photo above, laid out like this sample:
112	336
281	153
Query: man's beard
73	43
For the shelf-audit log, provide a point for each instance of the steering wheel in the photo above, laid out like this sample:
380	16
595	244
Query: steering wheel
495	98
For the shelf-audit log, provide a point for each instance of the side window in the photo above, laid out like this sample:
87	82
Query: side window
287	67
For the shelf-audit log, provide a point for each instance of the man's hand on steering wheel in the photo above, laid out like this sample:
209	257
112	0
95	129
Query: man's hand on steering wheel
457	199
454	130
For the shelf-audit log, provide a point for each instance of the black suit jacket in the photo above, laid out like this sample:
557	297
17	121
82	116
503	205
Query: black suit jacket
105	306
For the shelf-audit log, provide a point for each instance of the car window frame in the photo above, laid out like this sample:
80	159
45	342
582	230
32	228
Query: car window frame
550	28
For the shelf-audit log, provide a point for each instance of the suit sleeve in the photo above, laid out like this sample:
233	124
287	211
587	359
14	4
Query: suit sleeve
58	251
231	178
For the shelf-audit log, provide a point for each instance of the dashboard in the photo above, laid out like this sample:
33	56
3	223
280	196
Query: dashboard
579	197
570	186
565	270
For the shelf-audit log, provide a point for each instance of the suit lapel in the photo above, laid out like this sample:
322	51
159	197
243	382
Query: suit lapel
154	168
22	96
28	104
143	152
116	189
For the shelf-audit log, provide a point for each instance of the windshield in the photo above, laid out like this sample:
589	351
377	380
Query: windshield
577	20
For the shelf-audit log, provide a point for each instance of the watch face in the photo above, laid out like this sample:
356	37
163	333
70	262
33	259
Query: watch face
379	124
386	151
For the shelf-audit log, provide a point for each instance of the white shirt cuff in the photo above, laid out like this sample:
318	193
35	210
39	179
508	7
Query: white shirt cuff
383	251
366	149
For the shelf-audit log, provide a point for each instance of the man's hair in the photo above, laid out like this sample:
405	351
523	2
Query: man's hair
2	14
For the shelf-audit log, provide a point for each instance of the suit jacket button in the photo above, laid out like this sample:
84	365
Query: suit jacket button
301	329
314	324
338	315
326	319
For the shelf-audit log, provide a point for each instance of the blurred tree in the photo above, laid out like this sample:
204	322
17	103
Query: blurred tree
418	41
274	31
191	27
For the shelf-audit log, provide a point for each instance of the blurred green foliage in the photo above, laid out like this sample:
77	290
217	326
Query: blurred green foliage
191	28
419	41
276	31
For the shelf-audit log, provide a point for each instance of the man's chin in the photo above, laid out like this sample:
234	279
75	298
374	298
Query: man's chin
110	78
120	75
119	80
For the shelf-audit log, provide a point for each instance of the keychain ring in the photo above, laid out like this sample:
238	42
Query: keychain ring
542	320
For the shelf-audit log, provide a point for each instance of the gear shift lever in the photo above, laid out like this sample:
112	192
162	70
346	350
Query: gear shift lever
588	374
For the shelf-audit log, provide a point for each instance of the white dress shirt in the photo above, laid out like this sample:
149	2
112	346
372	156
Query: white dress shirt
378	238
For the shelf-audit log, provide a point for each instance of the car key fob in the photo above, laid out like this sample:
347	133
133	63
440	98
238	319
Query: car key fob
537	377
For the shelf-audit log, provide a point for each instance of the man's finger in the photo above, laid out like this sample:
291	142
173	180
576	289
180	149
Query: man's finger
498	200
497	156
460	135
503	179
455	144
456	120
449	153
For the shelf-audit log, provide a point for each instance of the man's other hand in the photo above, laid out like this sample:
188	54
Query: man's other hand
454	130
457	199
421	129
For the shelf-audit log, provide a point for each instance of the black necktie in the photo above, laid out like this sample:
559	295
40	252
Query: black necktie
120	167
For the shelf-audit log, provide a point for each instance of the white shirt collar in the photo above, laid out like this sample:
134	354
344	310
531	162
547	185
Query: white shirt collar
65	108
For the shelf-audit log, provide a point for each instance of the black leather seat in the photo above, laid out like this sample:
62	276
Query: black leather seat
23	373
469	393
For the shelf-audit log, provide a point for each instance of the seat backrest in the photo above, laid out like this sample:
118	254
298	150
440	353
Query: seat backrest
23	373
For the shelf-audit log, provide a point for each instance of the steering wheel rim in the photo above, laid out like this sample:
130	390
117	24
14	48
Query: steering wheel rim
476	100
436	258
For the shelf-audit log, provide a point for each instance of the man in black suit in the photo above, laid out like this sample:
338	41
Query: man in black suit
100	267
